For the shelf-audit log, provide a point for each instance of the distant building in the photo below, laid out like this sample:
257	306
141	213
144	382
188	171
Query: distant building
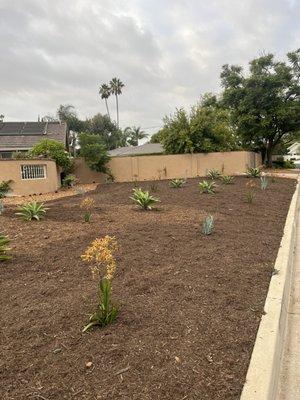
293	154
293	151
22	136
147	148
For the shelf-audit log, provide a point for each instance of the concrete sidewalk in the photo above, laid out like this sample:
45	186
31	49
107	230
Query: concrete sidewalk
289	381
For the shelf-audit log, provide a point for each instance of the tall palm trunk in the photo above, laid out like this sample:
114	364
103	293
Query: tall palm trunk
107	108
117	104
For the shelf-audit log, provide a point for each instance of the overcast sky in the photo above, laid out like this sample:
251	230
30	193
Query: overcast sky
167	52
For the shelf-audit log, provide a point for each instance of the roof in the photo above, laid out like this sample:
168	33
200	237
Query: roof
147	148
24	135
294	146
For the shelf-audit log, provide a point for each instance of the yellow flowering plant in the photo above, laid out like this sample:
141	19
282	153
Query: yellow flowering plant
100	256
87	205
251	186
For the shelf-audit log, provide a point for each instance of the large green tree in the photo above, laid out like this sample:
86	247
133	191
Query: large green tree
205	128
265	104
94	152
101	125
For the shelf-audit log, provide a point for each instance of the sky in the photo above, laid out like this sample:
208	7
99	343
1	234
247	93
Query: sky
166	52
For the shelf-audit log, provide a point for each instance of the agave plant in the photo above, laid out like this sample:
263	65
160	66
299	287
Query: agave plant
143	199
207	187
177	183
4	241
213	174
227	179
253	172
264	183
32	210
208	225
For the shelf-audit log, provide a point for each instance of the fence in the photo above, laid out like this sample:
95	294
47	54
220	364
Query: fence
152	167
30	176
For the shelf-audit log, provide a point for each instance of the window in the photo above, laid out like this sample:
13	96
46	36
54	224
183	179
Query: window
33	171
6	154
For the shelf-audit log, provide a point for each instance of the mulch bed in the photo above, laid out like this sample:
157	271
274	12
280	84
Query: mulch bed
190	304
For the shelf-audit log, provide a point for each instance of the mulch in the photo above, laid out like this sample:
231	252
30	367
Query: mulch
190	304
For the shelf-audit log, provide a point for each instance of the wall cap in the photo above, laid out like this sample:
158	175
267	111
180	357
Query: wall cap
264	368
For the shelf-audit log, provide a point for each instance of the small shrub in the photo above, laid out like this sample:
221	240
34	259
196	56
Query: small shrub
208	225
20	155
227	179
143	199
5	187
154	187
213	174
250	194
1	207
285	164
177	183
4	241
253	173
87	205
100	254
207	187
264	183
32	211
69	180
109	176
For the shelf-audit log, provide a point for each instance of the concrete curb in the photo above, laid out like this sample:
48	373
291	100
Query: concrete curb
263	372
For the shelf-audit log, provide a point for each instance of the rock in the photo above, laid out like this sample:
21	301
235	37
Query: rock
56	351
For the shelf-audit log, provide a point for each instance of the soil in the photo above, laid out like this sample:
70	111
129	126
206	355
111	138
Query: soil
190	304
62	192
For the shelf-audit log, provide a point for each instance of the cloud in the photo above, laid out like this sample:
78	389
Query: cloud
166	52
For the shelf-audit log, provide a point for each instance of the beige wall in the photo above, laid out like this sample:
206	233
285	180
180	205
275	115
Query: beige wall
126	169
11	169
85	175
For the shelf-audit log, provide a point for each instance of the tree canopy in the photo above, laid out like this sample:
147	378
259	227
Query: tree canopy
265	104
107	130
205	128
133	135
55	150
94	152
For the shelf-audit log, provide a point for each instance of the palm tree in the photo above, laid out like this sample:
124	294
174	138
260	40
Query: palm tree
105	92
135	134
116	86
65	111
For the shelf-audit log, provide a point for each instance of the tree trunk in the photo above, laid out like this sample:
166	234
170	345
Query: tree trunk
107	108
269	153
117	103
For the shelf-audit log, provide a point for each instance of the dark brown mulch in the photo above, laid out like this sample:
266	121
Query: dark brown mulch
190	305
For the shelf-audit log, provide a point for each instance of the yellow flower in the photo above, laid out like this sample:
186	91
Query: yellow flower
100	254
251	184
87	203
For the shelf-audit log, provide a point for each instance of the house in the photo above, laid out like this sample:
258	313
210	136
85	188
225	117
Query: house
293	151
144	149
22	136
